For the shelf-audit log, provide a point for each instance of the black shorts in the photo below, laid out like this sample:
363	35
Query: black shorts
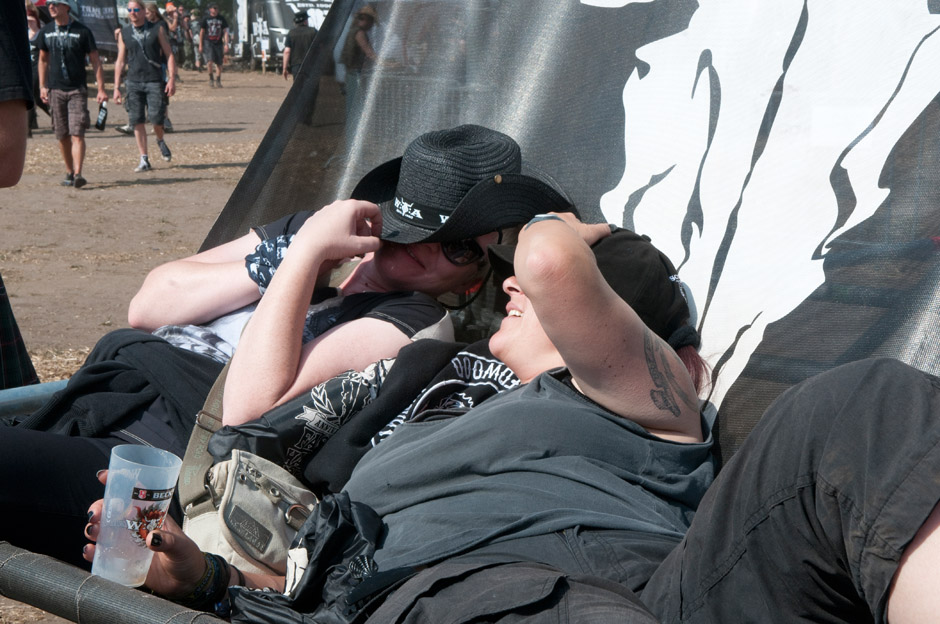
215	52
809	519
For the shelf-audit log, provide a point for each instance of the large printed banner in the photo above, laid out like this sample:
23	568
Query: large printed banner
784	153
101	17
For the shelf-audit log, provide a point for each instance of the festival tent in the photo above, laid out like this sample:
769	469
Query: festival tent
784	154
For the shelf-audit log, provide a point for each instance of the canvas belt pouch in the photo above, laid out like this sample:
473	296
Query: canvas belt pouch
246	508
257	508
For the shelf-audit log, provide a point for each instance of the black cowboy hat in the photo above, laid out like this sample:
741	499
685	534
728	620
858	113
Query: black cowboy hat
456	184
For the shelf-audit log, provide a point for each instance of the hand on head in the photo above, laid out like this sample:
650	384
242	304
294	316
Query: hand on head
178	564
343	229
590	232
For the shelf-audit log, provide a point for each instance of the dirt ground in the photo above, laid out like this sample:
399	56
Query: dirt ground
71	259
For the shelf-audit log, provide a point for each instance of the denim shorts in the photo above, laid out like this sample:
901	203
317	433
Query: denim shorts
146	96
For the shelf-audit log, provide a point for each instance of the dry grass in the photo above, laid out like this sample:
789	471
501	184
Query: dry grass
56	364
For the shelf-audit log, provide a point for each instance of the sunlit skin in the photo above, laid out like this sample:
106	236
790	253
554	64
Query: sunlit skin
424	267
137	18
521	341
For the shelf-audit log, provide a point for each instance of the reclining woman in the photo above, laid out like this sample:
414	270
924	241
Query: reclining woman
570	495
410	256
500	441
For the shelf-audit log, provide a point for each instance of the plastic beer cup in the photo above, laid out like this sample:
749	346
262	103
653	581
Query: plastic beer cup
141	481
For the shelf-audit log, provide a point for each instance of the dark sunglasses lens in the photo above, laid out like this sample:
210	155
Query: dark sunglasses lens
462	252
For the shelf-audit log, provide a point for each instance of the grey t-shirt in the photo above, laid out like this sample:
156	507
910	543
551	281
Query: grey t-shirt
535	460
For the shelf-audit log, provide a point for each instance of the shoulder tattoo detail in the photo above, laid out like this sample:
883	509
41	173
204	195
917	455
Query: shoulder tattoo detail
668	392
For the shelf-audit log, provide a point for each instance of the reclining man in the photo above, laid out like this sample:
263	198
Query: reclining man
143	388
570	495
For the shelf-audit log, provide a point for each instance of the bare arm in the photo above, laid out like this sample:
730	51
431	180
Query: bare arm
43	68
271	365
99	76
286	62
119	67
13	131
196	289
613	357
363	40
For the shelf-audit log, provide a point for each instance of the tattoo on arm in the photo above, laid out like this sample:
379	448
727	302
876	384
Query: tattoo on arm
668	390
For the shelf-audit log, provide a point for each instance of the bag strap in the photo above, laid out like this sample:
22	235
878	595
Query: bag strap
194	497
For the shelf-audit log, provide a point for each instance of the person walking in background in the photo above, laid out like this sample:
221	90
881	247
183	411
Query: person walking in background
34	25
186	33
194	24
63	44
153	14
171	15
357	51
298	41
213	38
141	43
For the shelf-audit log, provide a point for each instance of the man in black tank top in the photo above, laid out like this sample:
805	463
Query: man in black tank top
145	48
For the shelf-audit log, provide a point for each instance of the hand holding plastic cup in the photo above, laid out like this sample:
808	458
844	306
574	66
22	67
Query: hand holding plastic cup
141	481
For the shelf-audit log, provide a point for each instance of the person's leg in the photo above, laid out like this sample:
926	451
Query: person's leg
157	102
136	99
810	519
48	483
140	135
78	158
58	105
78	123
65	149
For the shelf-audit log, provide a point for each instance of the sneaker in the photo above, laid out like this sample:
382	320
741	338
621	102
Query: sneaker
125	129
212	81
218	83
69	180
167	125
144	165
164	150
80	181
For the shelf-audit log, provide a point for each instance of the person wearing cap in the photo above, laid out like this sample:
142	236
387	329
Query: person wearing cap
570	445
213	42
63	45
298	41
192	314
587	493
144	46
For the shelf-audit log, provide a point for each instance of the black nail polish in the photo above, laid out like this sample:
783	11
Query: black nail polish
85	549
90	514
156	540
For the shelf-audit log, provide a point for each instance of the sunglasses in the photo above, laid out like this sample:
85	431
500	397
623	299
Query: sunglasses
463	252
133	10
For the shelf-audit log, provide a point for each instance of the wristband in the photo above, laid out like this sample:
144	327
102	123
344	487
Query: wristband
212	587
543	217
